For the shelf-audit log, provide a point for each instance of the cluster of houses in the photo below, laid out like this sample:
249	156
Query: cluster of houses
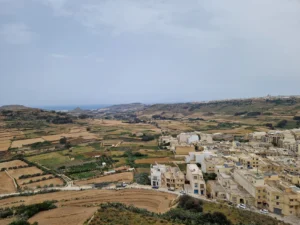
263	173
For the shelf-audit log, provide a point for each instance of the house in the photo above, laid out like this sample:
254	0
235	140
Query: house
195	177
172	178
208	165
156	174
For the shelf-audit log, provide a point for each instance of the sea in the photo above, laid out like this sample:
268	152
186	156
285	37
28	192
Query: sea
71	107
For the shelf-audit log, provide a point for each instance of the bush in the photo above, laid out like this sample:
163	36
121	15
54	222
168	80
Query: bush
188	203
281	124
142	178
63	140
209	176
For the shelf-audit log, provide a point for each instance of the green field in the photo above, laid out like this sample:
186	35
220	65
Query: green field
54	160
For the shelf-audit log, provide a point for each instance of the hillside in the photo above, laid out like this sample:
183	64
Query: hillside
13	107
278	107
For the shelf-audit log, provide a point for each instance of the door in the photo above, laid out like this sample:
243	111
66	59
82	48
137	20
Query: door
277	211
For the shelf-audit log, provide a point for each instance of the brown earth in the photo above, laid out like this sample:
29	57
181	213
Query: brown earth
7	185
151	200
12	164
125	177
64	215
4	145
24	171
6	221
184	150
20	143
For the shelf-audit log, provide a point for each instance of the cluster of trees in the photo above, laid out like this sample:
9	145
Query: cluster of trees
24	212
15	167
253	114
132	156
142	178
297	117
189	212
209	176
38	180
65	142
240	113
282	124
39	145
25	176
62	120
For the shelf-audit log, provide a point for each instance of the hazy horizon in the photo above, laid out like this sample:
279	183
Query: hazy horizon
66	52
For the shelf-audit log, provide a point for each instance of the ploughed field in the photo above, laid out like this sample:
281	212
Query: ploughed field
65	215
27	177
6	184
153	201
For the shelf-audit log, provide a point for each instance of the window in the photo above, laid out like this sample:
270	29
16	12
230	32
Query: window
196	185
291	207
277	203
195	177
291	200
277	197
258	191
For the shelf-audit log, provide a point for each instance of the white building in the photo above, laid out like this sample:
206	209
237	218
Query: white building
198	157
156	171
188	138
195	177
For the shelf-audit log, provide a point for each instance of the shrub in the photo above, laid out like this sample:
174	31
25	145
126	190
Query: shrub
142	178
281	124
63	140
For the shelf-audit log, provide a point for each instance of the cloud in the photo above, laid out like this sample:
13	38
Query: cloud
59	56
16	33
99	60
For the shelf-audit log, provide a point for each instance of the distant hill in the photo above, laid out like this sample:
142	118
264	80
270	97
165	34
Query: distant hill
246	107
13	107
123	108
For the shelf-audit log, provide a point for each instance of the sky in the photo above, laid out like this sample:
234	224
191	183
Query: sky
74	52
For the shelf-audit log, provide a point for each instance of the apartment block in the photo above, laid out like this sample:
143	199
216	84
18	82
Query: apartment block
195	177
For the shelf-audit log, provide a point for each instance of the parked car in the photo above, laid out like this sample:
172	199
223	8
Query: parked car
241	206
264	211
182	192
155	187
171	189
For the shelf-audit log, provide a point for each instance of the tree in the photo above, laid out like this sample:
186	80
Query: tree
63	140
281	124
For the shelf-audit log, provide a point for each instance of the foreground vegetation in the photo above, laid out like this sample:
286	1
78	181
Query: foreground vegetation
24	212
189	211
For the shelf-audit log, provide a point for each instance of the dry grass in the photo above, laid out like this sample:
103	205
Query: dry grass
6	221
125	177
12	164
4	145
24	171
184	150
151	200
7	185
64	215
20	143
